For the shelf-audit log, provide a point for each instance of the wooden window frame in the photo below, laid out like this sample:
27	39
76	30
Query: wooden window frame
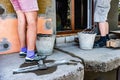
72	13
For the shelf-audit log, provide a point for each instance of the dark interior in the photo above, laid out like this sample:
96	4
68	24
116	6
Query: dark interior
63	11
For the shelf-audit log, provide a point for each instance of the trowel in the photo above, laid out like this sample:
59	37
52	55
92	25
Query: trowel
42	66
44	45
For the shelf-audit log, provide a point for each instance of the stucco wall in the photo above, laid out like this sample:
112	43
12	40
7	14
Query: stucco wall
46	9
113	15
7	5
43	4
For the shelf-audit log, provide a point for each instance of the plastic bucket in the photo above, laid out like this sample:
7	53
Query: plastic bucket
45	44
86	40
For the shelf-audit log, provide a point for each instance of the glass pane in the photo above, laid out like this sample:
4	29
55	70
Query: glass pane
80	14
63	15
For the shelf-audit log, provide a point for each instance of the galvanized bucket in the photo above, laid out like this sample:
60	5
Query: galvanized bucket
45	44
86	40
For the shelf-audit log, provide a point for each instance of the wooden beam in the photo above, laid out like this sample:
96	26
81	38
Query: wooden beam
114	43
72	15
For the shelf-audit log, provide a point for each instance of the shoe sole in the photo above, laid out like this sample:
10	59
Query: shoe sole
99	47
22	55
30	61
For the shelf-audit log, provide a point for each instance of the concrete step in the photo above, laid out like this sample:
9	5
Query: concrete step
96	59
62	72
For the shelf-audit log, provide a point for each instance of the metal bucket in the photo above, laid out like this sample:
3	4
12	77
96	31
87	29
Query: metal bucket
86	40
45	44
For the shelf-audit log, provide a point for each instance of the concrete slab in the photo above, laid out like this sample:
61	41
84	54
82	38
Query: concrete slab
62	72
97	59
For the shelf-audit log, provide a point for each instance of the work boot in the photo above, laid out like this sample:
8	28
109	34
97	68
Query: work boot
101	42
107	37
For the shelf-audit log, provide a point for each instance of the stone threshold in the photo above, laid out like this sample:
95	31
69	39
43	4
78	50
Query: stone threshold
96	59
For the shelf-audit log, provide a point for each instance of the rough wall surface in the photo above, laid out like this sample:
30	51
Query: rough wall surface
113	15
7	5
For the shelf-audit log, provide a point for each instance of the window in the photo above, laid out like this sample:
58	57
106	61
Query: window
71	15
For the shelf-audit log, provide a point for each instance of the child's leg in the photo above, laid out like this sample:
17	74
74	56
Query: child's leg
31	32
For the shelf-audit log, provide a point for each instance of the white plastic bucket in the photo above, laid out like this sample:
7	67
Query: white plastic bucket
86	40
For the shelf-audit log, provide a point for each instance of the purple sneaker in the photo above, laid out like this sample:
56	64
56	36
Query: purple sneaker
33	59
22	54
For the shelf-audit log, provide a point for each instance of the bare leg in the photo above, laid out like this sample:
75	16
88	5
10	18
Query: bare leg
107	28
31	29
21	28
103	28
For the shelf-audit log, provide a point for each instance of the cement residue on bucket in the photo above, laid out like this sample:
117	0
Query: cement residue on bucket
45	44
86	40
